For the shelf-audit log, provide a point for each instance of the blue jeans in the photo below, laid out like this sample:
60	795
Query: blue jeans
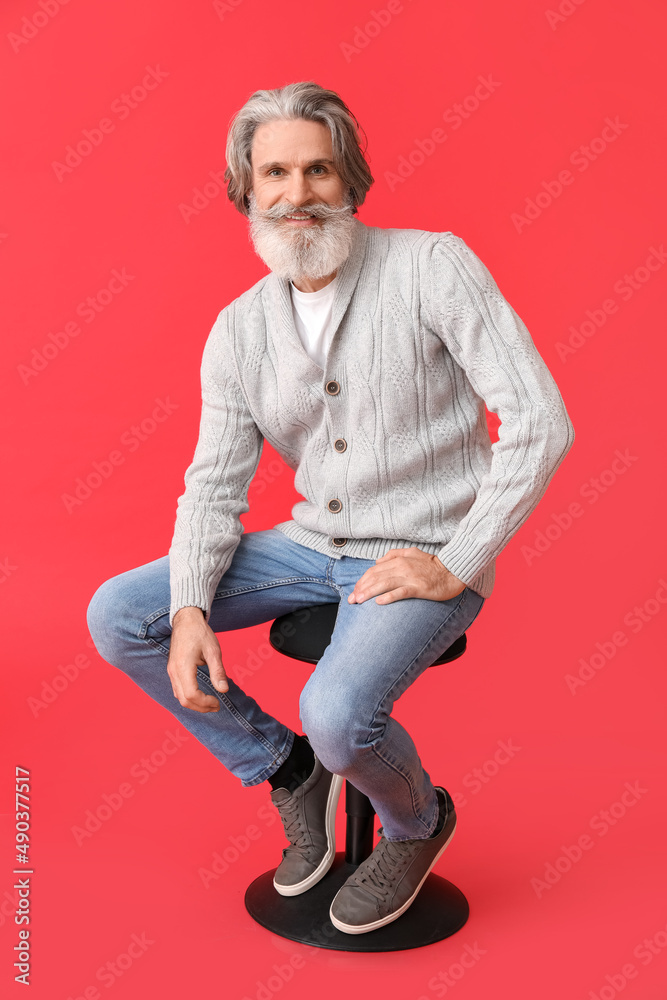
376	652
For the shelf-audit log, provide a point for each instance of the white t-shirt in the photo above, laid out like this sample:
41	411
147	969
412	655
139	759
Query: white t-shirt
312	319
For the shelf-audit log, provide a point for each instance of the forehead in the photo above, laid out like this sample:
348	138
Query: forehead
290	142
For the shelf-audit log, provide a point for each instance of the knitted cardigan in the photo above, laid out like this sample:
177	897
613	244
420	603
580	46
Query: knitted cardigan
423	340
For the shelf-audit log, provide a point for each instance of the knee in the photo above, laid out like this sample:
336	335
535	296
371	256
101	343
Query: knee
107	618
333	727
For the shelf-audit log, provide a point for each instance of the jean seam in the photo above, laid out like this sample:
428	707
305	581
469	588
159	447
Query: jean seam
419	653
155	644
153	616
230	592
387	761
234	712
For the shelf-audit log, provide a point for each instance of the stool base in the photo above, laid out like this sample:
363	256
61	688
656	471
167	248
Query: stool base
439	910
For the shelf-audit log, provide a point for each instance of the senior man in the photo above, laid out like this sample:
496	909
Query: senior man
365	357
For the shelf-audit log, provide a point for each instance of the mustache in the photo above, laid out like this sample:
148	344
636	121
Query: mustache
320	210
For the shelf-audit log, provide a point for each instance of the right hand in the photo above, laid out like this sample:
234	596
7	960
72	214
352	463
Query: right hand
193	644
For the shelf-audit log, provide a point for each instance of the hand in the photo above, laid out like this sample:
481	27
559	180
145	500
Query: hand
402	573
193	644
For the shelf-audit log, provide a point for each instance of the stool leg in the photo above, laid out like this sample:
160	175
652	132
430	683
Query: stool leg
359	833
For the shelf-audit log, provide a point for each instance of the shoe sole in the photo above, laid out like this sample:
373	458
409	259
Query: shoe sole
328	859
364	928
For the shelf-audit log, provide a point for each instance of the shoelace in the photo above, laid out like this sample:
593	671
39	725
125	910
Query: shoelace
380	871
294	832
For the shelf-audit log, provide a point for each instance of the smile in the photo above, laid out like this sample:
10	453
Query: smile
303	219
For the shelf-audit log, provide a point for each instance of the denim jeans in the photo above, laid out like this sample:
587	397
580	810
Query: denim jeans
376	652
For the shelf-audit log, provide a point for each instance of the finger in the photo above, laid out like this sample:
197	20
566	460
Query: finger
370	584
201	702
378	583
216	672
360	586
196	699
399	594
175	684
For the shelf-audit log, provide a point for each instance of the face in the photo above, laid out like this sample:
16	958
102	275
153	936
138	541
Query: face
301	213
292	162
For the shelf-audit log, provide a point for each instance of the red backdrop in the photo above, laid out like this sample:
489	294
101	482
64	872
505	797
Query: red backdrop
536	134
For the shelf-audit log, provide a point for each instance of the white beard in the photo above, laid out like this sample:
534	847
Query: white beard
302	252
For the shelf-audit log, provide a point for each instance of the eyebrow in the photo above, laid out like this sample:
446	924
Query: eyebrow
310	163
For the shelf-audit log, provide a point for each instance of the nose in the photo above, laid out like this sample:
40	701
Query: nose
298	191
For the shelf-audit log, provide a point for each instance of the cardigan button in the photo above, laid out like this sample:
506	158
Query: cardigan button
334	506
340	444
332	387
339	541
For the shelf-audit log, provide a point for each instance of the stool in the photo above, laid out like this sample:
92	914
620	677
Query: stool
439	909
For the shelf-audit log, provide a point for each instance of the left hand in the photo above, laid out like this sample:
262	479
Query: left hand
402	573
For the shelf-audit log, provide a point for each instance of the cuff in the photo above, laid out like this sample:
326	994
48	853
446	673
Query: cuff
464	558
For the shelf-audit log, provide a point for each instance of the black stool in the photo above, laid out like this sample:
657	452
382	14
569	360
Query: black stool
439	910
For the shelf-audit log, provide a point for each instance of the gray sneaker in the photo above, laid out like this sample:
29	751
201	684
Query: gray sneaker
308	815
387	882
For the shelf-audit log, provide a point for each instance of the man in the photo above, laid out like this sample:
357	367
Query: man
365	358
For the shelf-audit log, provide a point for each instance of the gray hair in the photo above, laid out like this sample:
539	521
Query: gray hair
313	103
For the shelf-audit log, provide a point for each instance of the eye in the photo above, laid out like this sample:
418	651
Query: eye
319	167
275	170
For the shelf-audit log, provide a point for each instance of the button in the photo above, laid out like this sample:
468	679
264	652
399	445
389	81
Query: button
334	506
340	444
332	387
339	541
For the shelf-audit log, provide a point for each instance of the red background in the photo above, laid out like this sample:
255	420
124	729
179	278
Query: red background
556	84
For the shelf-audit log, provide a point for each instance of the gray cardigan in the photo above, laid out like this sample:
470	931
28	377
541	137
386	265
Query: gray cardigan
423	339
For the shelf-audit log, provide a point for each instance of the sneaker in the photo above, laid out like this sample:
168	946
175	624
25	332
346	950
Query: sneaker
308	815
387	882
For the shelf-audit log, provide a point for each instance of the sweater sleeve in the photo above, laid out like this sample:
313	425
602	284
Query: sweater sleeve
489	341
208	529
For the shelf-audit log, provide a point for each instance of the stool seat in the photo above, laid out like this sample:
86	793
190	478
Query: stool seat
306	633
439	910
